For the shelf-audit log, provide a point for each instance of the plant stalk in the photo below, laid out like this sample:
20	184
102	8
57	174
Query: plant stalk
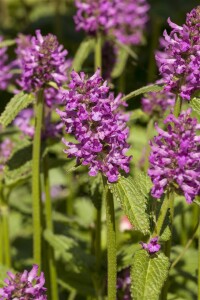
98	52
199	259
170	197
36	188
6	238
111	244
49	225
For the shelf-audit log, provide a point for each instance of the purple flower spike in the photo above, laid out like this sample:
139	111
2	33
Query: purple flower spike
41	60
22	286
175	157
156	103
5	68
94	117
130	20
180	62
152	247
93	16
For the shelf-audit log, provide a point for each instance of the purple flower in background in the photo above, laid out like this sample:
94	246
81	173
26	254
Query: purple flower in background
6	147
152	247
156	103
175	157
25	122
94	117
124	284
26	285
92	16
41	60
130	20
5	68
180	62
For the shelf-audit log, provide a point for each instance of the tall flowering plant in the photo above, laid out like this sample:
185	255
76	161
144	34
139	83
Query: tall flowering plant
97	130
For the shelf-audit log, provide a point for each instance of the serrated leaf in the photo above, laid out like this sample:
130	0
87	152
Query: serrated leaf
195	104
132	194
15	105
120	65
148	274
7	43
19	175
145	89
85	48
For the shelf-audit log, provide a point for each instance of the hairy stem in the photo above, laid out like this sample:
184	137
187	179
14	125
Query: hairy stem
169	242
199	258
36	189
49	225
178	105
6	236
98	52
111	244
150	128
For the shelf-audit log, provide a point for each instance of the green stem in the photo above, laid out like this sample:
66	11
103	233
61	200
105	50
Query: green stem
98	253
36	191
6	239
169	242
1	227
199	260
49	225
111	244
178	105
70	198
5	236
58	23
98	52
162	215
150	128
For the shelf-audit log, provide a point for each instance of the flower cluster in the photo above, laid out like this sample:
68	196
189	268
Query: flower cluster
25	122
6	148
130	20
5	68
125	20
180	63
175	157
124	284
152	247
156	103
22	286
93	16
94	117
41	60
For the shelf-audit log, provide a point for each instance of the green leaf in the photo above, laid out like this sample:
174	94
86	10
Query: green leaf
85	48
16	104
145	89
127	49
68	250
133	194
120	65
195	104
7	43
148	274
19	175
